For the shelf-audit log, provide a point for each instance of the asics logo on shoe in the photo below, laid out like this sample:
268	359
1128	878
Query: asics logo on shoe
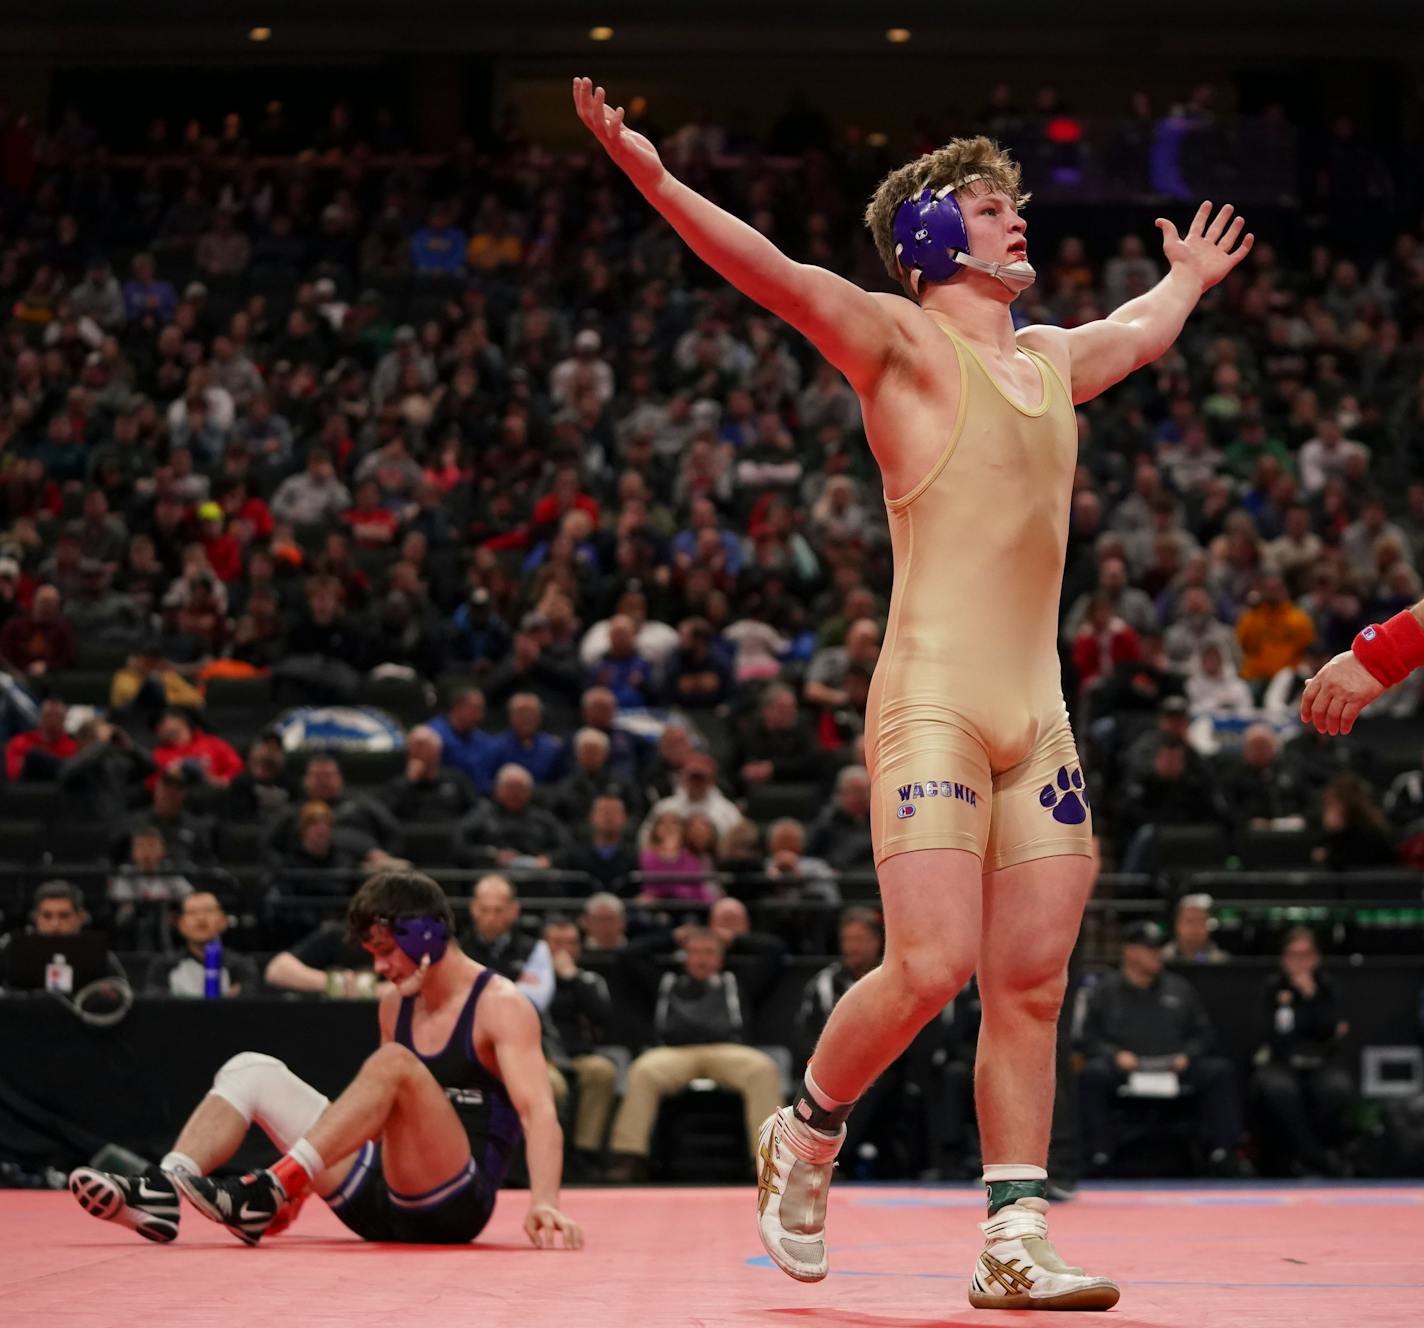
766	1180
1008	1275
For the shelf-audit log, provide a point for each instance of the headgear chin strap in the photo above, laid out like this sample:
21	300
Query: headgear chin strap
932	241
421	937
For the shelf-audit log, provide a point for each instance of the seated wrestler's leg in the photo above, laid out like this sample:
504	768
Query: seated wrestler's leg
932	916
393	1091
248	1088
1032	911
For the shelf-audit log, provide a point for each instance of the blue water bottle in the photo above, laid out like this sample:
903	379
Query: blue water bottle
212	969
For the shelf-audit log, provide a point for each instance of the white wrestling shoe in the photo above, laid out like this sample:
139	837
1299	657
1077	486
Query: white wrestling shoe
793	1184
1019	1270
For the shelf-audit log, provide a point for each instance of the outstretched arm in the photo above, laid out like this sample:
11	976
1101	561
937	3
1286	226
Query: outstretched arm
1105	352
855	330
1383	655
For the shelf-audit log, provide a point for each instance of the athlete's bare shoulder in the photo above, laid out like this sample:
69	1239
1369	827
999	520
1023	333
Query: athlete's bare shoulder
1050	342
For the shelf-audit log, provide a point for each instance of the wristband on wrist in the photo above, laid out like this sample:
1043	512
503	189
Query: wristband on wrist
1391	651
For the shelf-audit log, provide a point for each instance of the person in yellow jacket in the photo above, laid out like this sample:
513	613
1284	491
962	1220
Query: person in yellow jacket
1273	633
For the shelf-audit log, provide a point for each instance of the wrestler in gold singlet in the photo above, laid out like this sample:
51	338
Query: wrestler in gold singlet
967	735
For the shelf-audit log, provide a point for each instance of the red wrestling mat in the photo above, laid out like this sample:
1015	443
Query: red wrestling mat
1231	1255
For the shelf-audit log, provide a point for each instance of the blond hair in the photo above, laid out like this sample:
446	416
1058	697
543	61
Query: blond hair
958	159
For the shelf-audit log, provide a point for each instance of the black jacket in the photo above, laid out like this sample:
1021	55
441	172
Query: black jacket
1165	1019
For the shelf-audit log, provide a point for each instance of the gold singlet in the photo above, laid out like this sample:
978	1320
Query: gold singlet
967	736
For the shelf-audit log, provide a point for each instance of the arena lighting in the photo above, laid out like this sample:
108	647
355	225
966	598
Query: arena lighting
877	139
600	34
259	34
897	35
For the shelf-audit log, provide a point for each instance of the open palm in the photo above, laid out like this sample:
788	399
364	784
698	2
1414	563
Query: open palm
1209	250
630	151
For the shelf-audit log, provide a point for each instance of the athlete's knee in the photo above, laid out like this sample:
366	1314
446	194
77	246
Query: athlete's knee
929	975
392	1061
1028	992
261	1088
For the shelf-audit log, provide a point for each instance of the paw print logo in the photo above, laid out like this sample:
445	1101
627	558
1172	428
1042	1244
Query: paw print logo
1068	801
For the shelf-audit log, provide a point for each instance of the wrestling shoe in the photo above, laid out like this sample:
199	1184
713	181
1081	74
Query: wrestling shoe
1019	1270
248	1207
147	1204
793	1184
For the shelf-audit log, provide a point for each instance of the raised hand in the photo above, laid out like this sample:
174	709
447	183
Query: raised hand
630	151
1209	250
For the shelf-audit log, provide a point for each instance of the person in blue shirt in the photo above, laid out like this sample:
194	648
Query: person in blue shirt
465	746
481	637
147	297
622	669
438	249
525	743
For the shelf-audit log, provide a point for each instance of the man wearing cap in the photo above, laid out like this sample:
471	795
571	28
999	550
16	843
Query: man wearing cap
1141	1020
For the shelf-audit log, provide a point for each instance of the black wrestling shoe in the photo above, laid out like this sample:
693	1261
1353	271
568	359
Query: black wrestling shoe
246	1206
147	1204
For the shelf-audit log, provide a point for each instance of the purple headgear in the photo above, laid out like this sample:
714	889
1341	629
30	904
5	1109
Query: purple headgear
932	241
421	937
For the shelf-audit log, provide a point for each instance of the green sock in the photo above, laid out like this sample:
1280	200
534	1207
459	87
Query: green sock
1004	1192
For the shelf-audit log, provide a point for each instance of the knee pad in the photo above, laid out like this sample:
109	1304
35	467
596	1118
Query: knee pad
263	1090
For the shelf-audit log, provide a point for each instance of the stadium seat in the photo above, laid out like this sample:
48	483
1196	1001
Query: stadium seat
88	687
74	842
370	770
408	699
1269	850
429	843
39	801
240	845
22	842
239	693
768	802
1178	849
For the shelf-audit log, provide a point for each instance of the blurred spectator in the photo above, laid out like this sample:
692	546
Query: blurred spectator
776	746
57	909
604	922
495	940
427	792
1273	633
1174	793
1258	789
200	919
791	874
1353	831
1103	642
204	755
670	869
1304	1092
697	791
527	743
604	851
188	835
571	798
1195	627
312	496
825	675
1192	925
40	752
148	875
621	668
1141	1020
579	1013
1328	453
840	834
1214	689
107	770
325	962
702	1023
480	636
264	790
360	825
510	829
40	641
464	745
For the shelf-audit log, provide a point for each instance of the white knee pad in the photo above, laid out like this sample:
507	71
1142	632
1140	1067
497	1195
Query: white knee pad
261	1089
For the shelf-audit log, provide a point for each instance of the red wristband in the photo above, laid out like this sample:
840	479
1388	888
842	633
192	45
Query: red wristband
1391	651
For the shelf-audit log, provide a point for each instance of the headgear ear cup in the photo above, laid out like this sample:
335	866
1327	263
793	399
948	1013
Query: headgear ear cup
423	937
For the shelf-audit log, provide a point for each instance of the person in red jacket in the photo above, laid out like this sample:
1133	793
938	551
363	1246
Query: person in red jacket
180	742
48	738
1103	642
223	550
